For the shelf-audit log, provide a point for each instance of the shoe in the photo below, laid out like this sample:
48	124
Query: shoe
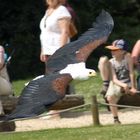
117	122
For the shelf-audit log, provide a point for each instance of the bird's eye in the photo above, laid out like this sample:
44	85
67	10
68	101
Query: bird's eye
90	72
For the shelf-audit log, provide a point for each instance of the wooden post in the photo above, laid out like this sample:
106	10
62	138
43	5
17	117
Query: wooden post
95	112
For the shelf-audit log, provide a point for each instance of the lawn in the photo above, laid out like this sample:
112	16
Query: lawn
120	132
87	88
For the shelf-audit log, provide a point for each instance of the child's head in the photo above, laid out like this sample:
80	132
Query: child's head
119	44
118	47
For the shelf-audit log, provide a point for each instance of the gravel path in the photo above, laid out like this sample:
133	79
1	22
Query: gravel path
71	120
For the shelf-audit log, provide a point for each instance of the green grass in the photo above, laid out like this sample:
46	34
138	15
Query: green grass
86	88
89	87
121	132
19	85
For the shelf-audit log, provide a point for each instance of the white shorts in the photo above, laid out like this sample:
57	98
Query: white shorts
114	90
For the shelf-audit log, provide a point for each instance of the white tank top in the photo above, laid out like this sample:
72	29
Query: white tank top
121	69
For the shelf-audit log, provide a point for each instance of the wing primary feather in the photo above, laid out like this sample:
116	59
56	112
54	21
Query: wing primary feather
100	32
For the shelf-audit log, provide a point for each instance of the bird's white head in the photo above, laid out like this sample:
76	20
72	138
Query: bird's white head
85	74
91	73
79	71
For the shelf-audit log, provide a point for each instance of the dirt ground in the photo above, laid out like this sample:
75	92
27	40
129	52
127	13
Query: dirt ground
71	120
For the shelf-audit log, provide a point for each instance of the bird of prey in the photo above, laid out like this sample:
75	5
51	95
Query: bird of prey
66	64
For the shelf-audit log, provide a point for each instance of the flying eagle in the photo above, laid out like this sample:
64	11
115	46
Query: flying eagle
66	64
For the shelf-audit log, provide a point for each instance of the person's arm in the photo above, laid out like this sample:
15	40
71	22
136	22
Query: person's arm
1	57
133	89
131	70
118	82
136	53
132	74
64	27
43	57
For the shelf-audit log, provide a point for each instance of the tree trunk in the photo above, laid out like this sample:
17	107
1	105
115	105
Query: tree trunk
131	100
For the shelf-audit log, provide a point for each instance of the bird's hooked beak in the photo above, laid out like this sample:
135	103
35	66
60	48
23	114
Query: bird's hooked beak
92	73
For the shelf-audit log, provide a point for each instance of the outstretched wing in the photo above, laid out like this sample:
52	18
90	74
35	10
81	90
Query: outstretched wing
45	91
40	94
79	50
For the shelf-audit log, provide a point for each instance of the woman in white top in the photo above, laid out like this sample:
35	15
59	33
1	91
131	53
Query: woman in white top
54	29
